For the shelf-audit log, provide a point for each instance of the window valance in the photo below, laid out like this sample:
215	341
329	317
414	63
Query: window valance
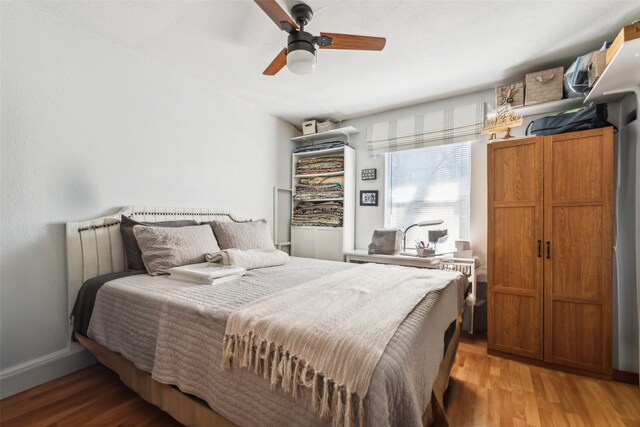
458	124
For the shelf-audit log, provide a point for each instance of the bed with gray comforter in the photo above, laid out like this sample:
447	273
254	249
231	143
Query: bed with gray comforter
174	330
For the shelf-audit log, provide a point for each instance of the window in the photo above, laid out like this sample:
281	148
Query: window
429	183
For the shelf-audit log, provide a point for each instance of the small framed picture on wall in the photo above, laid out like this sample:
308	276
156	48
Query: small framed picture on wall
369	198
368	174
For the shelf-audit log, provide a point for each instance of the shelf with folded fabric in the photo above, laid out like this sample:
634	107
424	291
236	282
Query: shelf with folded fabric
336	199
319	164
315	226
320	214
323	218
312	175
322	152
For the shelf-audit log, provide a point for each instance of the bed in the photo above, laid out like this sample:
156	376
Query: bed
179	370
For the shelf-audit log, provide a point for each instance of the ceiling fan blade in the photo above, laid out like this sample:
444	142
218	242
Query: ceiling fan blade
276	13
353	42
277	64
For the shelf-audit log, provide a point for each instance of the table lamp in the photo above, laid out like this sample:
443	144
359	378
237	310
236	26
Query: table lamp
418	224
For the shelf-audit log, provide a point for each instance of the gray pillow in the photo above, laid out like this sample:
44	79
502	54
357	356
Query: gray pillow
131	248
166	247
243	235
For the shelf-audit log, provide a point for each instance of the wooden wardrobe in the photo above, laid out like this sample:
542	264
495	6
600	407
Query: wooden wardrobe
550	248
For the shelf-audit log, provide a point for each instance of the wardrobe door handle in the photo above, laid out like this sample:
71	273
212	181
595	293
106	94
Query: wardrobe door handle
548	249
539	248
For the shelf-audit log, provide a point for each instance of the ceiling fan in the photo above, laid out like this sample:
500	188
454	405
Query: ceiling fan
300	53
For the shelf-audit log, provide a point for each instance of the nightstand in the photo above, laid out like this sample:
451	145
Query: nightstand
362	256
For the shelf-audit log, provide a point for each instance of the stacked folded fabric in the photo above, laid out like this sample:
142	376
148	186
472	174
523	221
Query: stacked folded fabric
319	188
325	214
323	146
323	164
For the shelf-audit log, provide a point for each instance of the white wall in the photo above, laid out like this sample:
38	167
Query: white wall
87	128
627	227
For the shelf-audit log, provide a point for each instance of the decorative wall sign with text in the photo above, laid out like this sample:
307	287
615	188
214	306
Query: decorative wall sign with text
369	174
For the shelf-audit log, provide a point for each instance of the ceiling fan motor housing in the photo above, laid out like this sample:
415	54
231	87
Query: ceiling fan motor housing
301	40
302	14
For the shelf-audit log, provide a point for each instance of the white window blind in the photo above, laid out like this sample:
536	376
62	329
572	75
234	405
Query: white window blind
429	183
449	126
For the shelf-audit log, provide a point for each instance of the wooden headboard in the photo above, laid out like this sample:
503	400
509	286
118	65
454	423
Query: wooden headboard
94	247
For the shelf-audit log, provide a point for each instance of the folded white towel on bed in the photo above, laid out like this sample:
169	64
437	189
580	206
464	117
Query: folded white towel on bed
249	259
206	273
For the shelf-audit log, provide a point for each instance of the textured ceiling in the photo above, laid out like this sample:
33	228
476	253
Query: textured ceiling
434	49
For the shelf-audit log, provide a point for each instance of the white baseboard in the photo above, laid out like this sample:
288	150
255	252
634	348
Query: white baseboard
46	368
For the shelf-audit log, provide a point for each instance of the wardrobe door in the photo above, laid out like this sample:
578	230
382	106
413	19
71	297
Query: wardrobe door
515	247
578	210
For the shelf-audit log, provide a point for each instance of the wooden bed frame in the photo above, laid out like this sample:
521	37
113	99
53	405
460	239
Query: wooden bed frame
95	248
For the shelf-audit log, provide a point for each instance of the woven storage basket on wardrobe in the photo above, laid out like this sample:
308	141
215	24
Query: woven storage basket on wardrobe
543	86
517	94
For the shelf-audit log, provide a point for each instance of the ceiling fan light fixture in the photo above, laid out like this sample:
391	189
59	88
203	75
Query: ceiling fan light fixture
301	61
300	54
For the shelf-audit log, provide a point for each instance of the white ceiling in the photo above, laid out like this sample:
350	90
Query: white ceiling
434	49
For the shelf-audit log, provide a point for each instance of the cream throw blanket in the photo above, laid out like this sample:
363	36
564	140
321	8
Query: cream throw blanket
327	334
249	259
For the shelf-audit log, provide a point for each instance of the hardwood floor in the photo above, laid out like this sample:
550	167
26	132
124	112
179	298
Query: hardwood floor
93	396
484	391
492	391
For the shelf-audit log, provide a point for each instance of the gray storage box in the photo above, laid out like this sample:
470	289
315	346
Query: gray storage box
325	126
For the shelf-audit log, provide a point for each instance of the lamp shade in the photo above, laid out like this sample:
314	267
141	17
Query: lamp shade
430	222
301	61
